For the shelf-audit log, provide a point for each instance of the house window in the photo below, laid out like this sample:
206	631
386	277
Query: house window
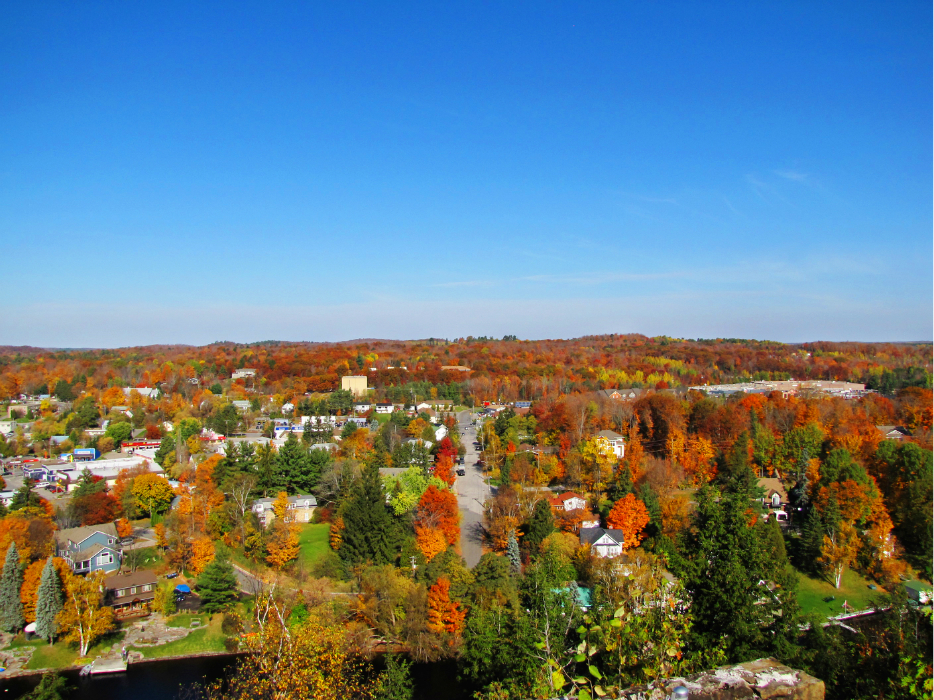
133	590
121	592
105	558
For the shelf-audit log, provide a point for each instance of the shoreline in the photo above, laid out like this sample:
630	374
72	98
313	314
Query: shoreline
68	669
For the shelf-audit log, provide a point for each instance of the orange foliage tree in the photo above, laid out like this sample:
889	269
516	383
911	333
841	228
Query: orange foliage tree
444	615
430	541
124	529
31	529
282	546
630	515
202	554
444	469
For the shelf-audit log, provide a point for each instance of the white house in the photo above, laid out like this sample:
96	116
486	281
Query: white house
384	408
440	433
568	501
145	391
245	373
301	508
603	542
612	442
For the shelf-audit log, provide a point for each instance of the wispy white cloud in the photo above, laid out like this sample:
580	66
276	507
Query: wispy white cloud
792	175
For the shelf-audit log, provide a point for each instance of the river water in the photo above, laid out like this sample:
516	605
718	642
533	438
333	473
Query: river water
169	680
156	680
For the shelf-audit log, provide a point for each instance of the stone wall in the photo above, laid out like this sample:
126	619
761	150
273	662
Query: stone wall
763	678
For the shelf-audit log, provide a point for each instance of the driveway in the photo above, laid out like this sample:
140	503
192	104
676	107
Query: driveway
472	492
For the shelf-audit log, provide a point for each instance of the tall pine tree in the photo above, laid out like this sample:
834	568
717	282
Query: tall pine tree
48	601
217	586
512	552
370	533
291	464
11	582
541	524
742	589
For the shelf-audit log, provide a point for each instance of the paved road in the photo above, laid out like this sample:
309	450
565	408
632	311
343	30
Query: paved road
472	491
249	584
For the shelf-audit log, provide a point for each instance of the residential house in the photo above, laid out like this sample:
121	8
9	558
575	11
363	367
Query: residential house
612	442
620	394
440	433
893	432
568	501
455	368
603	542
436	404
130	594
90	548
384	407
362	407
775	494
300	509
244	373
242	405
6	498
918	591
146	391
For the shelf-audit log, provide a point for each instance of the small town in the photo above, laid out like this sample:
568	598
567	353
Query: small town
466	351
175	504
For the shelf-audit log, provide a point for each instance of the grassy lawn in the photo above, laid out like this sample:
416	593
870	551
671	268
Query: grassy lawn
207	638
313	542
149	558
65	654
854	589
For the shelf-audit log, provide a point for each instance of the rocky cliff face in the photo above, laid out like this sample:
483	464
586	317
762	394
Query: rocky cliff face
763	678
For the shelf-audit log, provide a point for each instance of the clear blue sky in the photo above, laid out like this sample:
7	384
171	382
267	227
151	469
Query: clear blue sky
190	172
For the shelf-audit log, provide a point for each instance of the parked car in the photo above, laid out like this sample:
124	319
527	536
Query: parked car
461	471
174	574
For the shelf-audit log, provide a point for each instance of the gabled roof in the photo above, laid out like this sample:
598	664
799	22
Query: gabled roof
589	535
567	496
773	485
80	534
888	429
137	578
609	435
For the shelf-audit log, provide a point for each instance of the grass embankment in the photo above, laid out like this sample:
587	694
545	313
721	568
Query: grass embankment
313	542
854	589
64	654
207	638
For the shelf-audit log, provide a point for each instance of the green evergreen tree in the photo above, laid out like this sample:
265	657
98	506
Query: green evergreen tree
647	495
52	687
49	601
512	552
165	447
217	586
742	589
87	485
541	524
395	682
735	474
266	469
291	464
622	486
25	497
11	582
809	544
369	534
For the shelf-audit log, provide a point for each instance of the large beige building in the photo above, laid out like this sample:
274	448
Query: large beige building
356	384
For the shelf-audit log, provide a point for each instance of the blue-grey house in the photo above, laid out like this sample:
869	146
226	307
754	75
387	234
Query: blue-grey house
90	548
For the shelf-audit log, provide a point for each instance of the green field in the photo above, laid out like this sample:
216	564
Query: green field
854	589
313	542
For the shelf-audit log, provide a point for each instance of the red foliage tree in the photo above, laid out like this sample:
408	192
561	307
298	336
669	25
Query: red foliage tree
96	508
437	509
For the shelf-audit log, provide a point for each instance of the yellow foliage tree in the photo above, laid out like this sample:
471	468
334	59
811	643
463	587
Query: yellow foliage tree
280	507
313	661
202	554
839	550
282	546
431	541
84	618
